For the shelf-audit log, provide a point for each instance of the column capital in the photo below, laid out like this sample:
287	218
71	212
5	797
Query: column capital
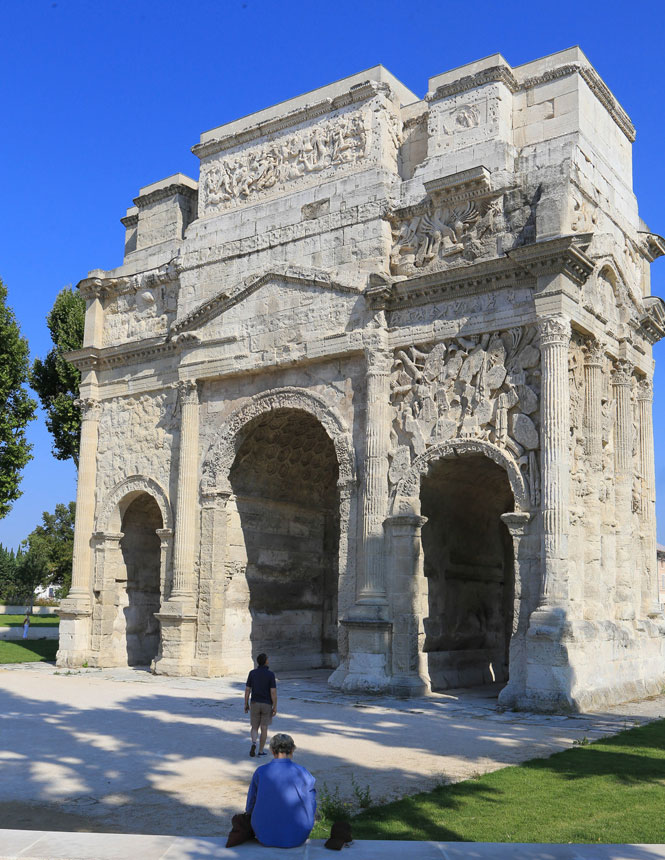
594	351
189	392
554	330
622	372
516	522
90	407
211	497
645	390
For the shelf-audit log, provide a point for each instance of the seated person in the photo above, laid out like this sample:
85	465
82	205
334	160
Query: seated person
281	798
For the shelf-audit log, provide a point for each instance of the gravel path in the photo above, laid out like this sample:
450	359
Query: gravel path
120	750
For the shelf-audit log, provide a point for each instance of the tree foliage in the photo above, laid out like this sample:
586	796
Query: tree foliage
55	380
53	541
43	559
16	407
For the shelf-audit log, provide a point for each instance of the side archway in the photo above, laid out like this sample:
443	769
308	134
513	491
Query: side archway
123	494
132	538
407	489
470	606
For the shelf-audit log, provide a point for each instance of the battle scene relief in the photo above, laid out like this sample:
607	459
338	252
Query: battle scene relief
484	387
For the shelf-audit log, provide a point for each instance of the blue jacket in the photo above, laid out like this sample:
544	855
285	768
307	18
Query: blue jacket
282	802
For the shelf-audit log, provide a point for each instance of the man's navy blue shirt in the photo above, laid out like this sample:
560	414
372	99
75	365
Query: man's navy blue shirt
261	681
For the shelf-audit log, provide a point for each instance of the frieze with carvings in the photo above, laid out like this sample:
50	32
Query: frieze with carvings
260	169
463	219
484	387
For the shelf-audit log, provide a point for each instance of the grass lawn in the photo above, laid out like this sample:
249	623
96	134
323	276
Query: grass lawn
28	651
612	790
35	620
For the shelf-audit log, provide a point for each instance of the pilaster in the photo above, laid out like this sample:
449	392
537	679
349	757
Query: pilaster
623	479
650	603
594	590
76	608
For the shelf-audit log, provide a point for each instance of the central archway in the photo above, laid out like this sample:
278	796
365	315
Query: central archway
284	524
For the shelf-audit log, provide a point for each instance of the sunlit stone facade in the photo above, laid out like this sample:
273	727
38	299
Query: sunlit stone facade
374	394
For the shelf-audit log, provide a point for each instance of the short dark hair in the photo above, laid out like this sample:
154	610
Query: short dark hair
281	743
261	659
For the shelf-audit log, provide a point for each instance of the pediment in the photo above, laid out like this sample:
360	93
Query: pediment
285	278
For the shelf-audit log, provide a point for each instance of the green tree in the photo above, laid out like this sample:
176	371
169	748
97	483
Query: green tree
16	407
32	569
8	585
55	540
55	380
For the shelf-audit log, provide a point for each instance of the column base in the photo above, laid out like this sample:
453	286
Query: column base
366	669
177	619
75	633
409	686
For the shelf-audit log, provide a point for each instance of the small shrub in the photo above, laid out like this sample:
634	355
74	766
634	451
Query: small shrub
362	795
330	805
581	742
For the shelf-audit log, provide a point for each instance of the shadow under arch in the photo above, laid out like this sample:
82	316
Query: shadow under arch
222	452
285	462
475	504
134	526
123	494
408	487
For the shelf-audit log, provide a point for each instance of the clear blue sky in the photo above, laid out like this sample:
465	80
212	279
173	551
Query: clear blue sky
100	98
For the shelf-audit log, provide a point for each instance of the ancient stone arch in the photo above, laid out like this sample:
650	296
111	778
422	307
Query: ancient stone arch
407	488
121	496
221	454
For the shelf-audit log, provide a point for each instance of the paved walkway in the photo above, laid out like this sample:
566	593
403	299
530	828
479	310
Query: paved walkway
102	846
123	751
39	631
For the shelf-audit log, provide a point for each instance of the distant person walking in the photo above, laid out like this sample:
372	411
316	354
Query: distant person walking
262	687
26	625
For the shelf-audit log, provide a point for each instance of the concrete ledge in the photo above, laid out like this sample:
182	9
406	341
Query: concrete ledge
50	845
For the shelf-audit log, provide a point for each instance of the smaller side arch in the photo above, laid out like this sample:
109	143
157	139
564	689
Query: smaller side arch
408	486
221	454
123	494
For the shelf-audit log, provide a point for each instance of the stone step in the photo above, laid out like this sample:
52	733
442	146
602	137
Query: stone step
50	845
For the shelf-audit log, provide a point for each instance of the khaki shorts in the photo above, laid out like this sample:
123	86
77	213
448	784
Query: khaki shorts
260	714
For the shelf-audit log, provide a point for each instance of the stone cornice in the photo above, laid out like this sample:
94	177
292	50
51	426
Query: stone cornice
479	278
503	75
130	220
652	324
103	358
102	287
164	194
358	93
564	255
492	75
228	298
654	245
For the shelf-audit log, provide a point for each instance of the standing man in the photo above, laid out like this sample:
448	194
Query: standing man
263	689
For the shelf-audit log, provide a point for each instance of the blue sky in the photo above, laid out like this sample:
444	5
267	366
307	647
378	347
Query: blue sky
100	98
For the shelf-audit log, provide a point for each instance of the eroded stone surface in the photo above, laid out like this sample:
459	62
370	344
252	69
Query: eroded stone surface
385	372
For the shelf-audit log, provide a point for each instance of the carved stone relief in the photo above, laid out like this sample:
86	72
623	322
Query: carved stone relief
479	387
142	306
258	169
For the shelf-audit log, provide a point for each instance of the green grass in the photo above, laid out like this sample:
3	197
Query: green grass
28	651
612	790
35	620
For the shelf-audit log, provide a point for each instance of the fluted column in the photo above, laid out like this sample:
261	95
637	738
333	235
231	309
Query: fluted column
555	470
650	602
85	504
375	488
594	357
185	527
623	482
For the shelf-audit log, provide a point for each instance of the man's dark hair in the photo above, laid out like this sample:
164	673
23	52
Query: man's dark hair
261	659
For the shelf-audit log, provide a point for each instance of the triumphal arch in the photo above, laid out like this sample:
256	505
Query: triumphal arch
373	393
